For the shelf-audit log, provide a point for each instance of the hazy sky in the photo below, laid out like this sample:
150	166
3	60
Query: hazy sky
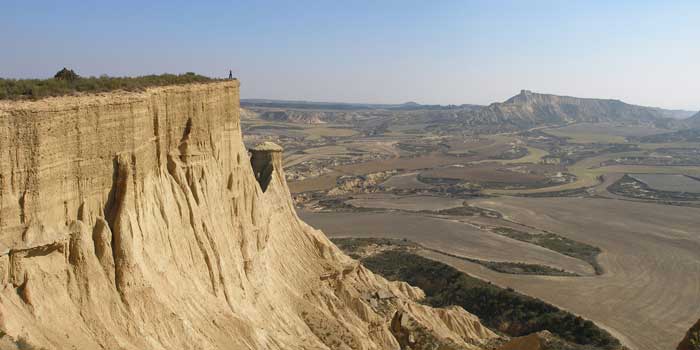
643	52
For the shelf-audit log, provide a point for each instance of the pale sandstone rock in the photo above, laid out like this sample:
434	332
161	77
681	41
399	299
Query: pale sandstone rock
135	221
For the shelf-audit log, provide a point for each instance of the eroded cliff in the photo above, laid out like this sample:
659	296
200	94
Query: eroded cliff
135	221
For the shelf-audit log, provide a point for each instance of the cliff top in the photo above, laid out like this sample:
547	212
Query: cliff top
77	100
67	82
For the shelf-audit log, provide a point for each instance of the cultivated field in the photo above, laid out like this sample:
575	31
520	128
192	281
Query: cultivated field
483	173
405	181
651	255
669	182
651	258
397	178
410	203
602	132
448	235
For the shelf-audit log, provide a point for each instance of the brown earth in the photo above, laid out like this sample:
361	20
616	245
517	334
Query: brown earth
650	256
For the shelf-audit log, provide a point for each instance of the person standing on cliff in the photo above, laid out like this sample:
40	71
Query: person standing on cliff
230	74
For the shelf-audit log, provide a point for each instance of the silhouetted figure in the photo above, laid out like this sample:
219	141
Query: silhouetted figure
230	74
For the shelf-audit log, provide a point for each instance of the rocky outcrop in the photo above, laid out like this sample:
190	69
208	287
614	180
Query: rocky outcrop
415	329
135	221
264	159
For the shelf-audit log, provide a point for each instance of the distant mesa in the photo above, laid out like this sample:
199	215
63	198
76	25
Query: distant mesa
529	109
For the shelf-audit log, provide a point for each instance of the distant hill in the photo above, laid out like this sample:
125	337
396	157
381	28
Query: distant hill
676	113
525	110
531	109
293	116
287	104
694	121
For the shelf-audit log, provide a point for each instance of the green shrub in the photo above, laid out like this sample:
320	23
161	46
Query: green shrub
66	74
503	309
40	88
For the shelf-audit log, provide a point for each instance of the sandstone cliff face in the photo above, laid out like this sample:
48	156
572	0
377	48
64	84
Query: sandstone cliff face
135	221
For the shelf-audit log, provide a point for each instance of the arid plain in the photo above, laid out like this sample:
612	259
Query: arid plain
492	196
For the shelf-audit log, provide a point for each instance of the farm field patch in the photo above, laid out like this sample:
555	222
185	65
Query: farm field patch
669	182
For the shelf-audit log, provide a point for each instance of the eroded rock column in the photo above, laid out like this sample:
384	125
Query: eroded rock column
265	158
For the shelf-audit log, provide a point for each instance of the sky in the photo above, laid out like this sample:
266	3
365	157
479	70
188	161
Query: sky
431	52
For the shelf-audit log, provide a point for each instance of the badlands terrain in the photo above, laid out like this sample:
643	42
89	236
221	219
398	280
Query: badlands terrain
162	218
138	220
590	205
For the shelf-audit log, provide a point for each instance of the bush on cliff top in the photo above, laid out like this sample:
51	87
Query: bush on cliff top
34	89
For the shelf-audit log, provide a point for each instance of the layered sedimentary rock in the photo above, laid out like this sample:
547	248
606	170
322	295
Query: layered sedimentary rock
135	221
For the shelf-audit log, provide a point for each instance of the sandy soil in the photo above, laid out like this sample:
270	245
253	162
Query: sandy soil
450	236
650	292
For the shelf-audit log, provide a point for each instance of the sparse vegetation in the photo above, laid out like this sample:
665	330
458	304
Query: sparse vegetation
20	343
514	268
629	186
685	135
352	247
501	309
466	210
694	339
23	344
574	192
557	243
68	82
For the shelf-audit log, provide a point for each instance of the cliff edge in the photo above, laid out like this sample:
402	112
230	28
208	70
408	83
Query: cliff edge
691	341
136	221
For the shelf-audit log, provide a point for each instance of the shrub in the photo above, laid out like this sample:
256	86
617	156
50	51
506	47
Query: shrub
67	82
503	309
66	74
